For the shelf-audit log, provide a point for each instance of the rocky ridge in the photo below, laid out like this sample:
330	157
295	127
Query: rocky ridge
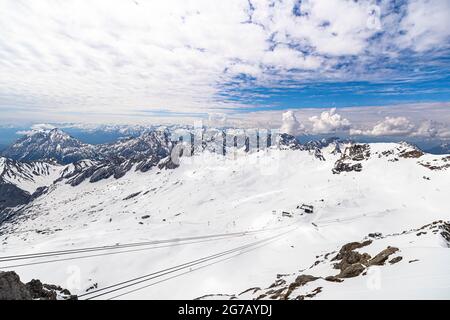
349	261
11	288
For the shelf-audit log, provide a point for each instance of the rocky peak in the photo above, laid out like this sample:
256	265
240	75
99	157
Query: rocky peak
49	144
351	158
287	141
12	288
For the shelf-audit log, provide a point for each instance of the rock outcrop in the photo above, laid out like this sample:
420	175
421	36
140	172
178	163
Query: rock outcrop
11	288
351	158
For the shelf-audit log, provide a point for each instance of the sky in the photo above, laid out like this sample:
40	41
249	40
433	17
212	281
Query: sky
372	67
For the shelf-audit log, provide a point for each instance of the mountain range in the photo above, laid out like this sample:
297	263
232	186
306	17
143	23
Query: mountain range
284	213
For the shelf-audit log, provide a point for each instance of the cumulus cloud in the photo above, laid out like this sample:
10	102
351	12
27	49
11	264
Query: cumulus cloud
37	127
402	126
42	126
329	121
432	129
390	126
290	124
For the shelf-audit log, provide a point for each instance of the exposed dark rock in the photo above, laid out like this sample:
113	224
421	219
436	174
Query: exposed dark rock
445	233
351	263
351	271
147	164
168	164
356	152
350	247
380	258
301	280
81	176
277	294
122	169
312	294
375	235
351	257
254	290
11	195
102	173
318	154
395	260
346	167
289	141
333	279
37	291
411	154
277	283
39	192
11	288
132	195
56	288
336	150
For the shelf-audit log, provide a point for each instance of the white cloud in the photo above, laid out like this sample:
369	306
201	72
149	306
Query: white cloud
37	127
290	124
116	56
402	126
426	24
432	129
282	57
426	129
362	119
390	126
329	121
428	120
42	126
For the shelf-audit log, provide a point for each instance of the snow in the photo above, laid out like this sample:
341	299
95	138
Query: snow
215	195
2	163
29	176
422	273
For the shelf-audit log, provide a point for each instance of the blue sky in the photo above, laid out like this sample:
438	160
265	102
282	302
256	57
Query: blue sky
340	94
177	61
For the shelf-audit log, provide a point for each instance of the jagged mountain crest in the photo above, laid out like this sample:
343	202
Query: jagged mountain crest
27	175
153	148
48	145
149	143
21	182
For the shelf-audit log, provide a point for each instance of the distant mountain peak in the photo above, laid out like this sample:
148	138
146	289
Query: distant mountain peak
49	144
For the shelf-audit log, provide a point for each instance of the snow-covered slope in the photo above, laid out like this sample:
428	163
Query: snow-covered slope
217	214
241	212
21	182
410	264
28	176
